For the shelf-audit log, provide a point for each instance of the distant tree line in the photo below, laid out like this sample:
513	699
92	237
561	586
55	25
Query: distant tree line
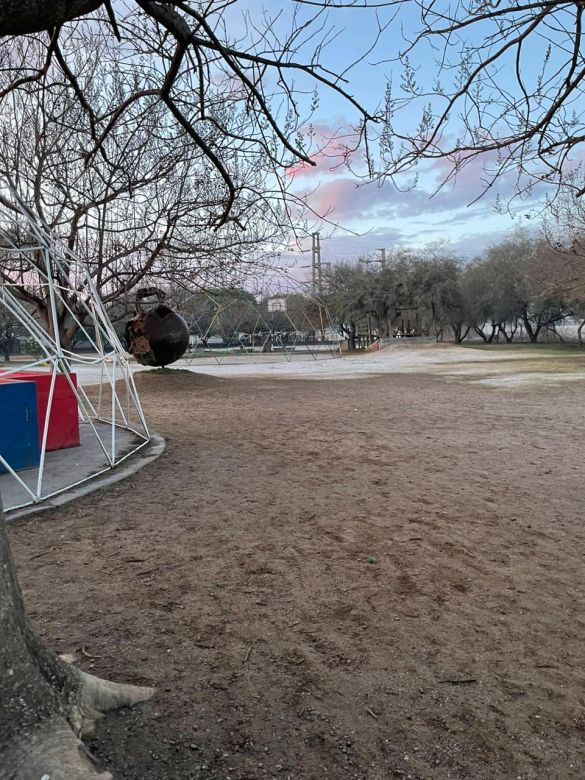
519	288
230	312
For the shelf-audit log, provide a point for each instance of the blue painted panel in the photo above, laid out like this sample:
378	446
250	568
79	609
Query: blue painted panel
19	429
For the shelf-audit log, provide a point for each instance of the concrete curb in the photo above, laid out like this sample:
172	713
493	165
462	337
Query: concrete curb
143	457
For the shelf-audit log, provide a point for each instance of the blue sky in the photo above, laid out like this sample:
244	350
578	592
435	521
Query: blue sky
373	216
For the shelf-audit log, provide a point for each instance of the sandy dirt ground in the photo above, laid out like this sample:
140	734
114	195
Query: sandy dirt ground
518	364
370	578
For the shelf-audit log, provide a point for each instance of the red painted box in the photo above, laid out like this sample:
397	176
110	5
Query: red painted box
64	419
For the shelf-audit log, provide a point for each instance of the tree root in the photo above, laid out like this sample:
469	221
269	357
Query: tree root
46	705
50	752
95	696
53	750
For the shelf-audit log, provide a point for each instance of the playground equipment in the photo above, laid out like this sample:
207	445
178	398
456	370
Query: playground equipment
158	335
82	406
236	325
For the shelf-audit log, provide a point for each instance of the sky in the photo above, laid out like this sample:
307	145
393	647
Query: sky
359	217
371	216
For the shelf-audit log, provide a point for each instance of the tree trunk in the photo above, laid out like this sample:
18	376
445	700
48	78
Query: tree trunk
33	16
532	332
580	332
352	336
509	337
47	704
459	333
68	327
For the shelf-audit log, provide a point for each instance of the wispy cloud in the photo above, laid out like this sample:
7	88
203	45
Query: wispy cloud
343	199
331	148
378	214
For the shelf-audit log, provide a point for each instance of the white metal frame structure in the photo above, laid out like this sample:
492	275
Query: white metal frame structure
110	413
296	344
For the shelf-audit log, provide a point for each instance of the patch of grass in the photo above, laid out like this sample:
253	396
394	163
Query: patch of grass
371	560
199	354
166	370
541	348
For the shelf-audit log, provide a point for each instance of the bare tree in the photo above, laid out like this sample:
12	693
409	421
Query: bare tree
140	214
177	56
8	328
563	229
505	87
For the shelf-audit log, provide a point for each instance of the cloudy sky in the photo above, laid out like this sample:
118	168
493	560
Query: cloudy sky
375	215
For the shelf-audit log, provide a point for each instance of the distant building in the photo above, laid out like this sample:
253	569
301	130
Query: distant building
276	304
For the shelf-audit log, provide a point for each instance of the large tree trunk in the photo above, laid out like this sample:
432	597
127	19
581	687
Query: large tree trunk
460	332
68	326
47	705
31	16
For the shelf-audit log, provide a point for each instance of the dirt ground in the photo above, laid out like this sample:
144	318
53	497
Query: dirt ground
368	578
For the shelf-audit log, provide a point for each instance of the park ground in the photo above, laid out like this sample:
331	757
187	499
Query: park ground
368	576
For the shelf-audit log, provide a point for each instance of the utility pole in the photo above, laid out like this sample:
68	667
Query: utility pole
382	262
317	268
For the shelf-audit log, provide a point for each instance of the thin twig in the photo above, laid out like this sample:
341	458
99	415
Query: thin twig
88	655
39	555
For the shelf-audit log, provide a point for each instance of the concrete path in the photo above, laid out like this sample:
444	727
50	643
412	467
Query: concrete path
64	468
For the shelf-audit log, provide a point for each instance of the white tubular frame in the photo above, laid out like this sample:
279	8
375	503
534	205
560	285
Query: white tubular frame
55	271
297	345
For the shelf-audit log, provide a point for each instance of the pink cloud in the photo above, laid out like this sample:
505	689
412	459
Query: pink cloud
329	149
342	199
345	200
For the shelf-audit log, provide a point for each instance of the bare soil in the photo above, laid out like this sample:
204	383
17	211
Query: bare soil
373	578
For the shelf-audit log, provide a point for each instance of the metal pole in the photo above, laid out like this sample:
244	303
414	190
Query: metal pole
319	267
114	399
48	413
312	262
